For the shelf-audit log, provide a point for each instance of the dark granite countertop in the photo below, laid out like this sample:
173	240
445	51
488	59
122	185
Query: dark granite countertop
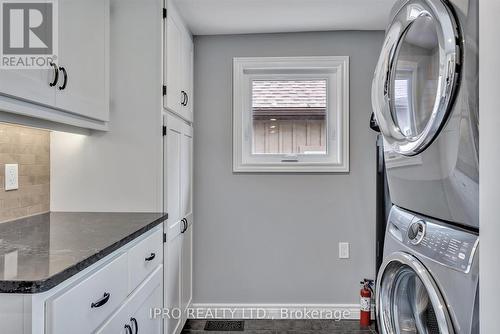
39	252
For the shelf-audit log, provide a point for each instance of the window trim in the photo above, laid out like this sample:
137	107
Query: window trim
246	68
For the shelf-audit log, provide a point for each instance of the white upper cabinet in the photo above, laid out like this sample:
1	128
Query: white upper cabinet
30	85
173	43
75	91
178	76
83	86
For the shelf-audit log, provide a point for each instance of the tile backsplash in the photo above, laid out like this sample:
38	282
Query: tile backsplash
30	148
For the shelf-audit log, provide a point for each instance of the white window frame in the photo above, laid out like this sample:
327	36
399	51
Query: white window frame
335	69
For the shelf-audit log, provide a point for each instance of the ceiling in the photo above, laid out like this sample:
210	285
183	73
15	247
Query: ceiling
215	17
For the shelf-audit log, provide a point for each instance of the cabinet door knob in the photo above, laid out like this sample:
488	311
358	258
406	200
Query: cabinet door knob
128	329
65	76
136	325
56	75
100	302
151	257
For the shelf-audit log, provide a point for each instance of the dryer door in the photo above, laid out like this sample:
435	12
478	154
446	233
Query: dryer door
408	300
416	77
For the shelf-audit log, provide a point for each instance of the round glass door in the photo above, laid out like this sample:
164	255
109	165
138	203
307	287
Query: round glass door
408	300
414	84
416	77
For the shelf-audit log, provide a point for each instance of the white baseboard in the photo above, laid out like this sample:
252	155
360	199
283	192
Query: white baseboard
274	311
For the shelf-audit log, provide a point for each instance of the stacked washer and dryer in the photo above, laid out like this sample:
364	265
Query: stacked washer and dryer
425	100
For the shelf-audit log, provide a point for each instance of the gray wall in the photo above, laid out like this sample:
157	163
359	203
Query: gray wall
273	238
489	162
119	170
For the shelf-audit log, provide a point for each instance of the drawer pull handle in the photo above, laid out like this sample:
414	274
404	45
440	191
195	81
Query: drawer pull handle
101	301
128	329
151	257
136	325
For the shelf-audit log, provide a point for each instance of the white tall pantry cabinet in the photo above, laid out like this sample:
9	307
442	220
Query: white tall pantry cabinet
146	157
178	166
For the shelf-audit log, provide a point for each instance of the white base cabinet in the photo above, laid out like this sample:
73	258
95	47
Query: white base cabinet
96	300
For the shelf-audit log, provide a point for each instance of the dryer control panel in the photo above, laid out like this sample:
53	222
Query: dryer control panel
450	246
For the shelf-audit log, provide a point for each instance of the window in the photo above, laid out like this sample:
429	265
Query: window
291	114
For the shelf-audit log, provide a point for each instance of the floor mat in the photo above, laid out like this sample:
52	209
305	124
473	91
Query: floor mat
225	325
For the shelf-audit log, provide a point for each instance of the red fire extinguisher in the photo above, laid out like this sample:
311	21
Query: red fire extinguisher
365	302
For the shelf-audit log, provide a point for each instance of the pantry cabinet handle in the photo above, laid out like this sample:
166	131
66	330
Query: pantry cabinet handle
104	299
65	75
128	329
136	325
187	99
185	225
151	257
56	75
184	98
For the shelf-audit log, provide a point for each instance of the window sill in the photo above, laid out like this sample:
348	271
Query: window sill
292	167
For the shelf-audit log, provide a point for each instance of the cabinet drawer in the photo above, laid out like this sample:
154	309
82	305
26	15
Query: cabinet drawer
83	307
137	306
144	257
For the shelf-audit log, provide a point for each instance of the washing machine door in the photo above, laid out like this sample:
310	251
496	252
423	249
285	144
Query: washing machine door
417	75
408	299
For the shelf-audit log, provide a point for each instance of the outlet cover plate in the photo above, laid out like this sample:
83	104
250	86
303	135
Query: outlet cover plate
343	250
11	176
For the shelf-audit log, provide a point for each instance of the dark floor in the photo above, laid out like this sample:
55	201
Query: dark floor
287	327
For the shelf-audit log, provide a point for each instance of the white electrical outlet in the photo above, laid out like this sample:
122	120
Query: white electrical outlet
11	176
343	250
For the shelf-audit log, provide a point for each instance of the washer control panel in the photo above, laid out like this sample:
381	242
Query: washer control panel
452	247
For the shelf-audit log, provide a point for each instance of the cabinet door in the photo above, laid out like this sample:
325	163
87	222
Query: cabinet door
187	75
172	278
178	164
187	266
178	147
84	54
29	85
173	71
